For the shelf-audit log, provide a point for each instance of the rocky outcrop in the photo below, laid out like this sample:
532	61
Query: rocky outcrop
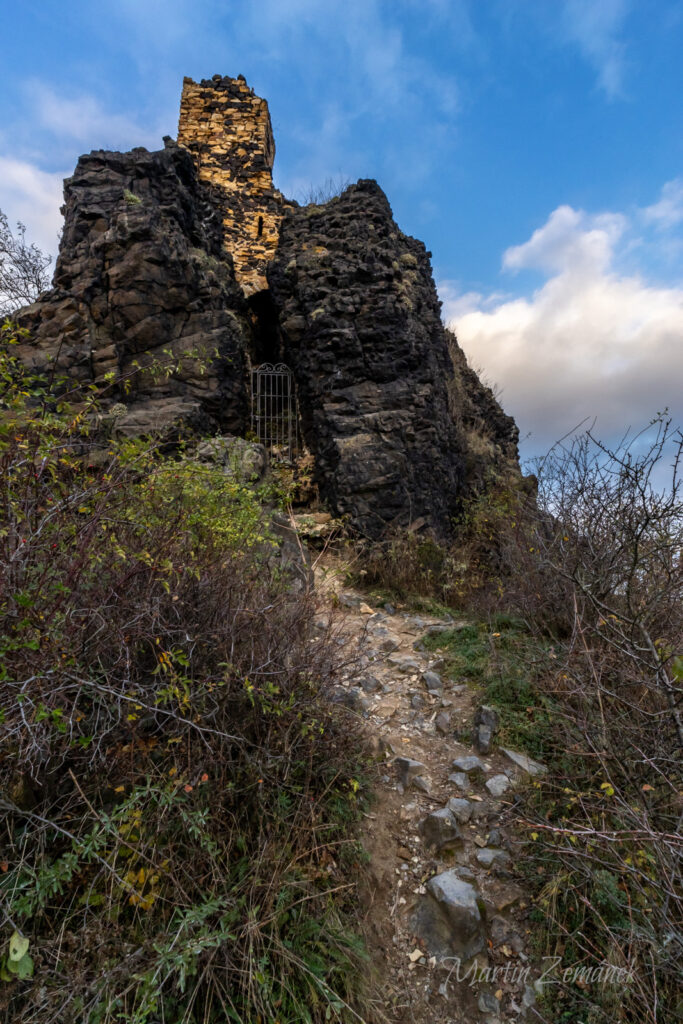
180	268
361	326
143	280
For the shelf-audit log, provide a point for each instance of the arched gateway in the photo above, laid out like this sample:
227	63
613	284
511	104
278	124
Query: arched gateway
274	412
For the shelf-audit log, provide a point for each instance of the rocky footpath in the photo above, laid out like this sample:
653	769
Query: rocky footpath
447	916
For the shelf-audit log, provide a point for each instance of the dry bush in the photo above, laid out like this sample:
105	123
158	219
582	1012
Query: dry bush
605	824
177	799
23	269
318	195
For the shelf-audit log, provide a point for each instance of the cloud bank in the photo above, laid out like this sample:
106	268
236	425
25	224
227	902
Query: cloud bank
594	27
33	197
594	340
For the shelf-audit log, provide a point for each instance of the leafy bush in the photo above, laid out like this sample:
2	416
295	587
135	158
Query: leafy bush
177	797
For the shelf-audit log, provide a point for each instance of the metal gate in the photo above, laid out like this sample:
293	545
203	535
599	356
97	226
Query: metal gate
274	414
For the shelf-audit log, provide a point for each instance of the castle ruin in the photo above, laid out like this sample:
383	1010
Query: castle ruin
190	254
227	130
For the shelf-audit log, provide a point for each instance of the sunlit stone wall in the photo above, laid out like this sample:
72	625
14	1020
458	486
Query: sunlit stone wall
228	131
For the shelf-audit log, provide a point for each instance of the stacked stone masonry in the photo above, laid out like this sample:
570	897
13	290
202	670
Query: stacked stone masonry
228	131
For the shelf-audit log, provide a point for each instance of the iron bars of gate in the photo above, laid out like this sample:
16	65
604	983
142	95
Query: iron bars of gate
274	412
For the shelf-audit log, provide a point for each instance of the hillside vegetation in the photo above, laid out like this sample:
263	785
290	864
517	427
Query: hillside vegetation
579	599
177	800
180	799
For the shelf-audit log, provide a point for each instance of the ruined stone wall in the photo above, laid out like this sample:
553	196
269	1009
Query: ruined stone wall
228	131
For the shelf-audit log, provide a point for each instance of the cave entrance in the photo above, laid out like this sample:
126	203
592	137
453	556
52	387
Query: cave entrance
274	410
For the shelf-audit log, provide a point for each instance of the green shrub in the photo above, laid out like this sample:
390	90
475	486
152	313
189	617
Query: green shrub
178	801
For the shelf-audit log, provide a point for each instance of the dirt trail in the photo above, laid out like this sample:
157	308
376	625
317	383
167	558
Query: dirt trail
411	710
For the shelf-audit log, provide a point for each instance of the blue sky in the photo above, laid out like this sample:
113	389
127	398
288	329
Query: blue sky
536	146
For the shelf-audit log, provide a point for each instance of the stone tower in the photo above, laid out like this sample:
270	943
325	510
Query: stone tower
228	131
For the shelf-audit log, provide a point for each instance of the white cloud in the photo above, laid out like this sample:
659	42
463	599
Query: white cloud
668	211
72	123
569	241
594	25
83	119
33	197
591	341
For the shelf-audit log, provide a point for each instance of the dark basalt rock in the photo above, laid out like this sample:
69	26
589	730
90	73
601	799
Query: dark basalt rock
362	330
400	428
142	274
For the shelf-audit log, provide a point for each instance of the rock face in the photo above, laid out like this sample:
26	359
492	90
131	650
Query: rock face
187	263
142	276
361	324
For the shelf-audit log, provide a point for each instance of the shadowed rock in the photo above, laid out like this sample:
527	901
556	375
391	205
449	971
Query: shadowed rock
448	917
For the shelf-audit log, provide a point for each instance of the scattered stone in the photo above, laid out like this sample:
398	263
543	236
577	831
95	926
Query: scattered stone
443	723
404	663
433	682
435	629
529	997
460	780
448	918
460	809
440	829
408	770
525	763
389	609
488	857
350	698
417	701
497	785
508	898
238	458
485	727
500	930
365	609
389	643
422	784
471	763
487	1003
370	684
349	600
